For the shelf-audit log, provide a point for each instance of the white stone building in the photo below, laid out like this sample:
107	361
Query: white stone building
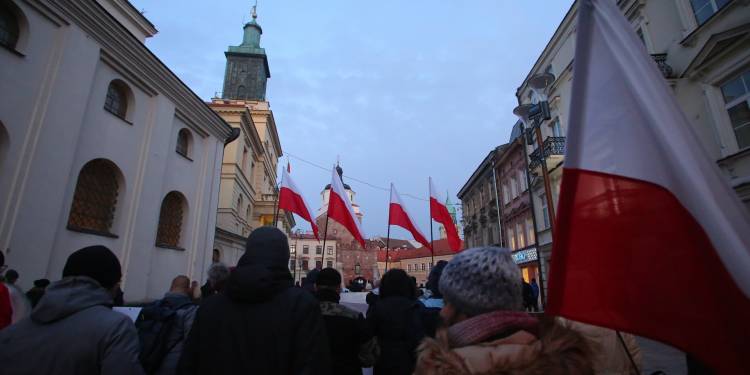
101	144
703	50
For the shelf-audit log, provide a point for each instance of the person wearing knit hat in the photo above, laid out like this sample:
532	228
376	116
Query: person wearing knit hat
73	322
485	329
37	292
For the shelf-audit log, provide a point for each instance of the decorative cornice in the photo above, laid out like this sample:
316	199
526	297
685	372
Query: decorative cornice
119	44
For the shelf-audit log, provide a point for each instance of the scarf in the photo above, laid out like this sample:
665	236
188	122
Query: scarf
497	323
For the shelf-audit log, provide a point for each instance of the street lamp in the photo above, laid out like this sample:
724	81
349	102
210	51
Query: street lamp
532	116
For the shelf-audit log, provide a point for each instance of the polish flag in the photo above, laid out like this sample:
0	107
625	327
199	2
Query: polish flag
340	209
290	199
650	239
439	212
399	216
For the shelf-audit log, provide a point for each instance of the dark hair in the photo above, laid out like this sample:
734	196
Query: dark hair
2	259
11	276
397	283
434	279
328	277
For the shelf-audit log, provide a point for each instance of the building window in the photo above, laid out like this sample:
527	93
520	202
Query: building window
241	92
737	98
305	264
556	128
318	250
247	214
424	266
329	264
95	197
305	249
9	29
292	249
704	9
506	194
530	231
522	181
408	267
183	142
239	203
545	213
244	158
291	264
318	264
171	217
521	239
357	269
511	239
329	250
513	188
116	102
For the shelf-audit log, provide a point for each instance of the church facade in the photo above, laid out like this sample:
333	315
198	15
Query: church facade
101	144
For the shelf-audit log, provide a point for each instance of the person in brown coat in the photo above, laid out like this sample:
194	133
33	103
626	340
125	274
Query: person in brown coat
486	331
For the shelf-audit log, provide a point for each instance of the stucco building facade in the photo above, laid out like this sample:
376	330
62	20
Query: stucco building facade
101	144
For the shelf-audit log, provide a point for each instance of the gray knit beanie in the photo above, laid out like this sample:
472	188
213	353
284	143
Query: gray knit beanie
482	280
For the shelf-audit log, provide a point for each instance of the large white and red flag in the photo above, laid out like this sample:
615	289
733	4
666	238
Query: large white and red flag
340	209
650	239
439	212
290	199
398	215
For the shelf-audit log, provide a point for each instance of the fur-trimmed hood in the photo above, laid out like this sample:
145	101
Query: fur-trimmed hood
557	350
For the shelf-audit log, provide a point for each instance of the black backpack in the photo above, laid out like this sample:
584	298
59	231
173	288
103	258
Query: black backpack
155	325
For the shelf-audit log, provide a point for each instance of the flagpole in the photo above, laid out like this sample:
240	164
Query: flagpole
276	204
387	246
294	272
432	243
325	237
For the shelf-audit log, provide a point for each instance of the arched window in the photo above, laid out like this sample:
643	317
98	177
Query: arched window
9	28
247	214
116	102
241	92
183	142
216	256
239	203
170	220
95	198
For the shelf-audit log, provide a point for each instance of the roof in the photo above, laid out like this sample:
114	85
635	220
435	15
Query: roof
395	255
394	243
483	166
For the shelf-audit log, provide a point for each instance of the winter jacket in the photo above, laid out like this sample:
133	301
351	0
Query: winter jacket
14	305
610	357
351	343
552	349
398	324
6	308
72	330
178	335
260	325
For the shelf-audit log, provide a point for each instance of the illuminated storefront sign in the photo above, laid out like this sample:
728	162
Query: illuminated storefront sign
525	256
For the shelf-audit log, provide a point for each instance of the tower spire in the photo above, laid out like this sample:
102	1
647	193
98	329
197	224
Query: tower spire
254	13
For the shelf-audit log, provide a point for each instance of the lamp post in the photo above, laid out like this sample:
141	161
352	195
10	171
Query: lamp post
532	115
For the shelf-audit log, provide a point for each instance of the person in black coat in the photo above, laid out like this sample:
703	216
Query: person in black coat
397	321
260	324
352	345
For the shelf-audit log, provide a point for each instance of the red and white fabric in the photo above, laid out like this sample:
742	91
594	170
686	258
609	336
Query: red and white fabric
649	238
398	215
439	212
340	209
290	199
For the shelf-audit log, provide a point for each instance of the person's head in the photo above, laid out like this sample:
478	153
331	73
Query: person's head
11	276
41	283
329	279
218	274
268	247
533	280
180	284
96	262
434	278
397	283
478	281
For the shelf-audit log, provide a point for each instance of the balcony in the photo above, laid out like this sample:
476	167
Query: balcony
554	151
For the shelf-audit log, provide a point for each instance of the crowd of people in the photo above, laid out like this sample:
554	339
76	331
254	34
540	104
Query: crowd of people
252	319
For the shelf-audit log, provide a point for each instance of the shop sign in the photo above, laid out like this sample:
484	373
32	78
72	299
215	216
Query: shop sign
525	256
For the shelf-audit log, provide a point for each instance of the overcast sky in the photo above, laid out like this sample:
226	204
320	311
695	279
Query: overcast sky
400	90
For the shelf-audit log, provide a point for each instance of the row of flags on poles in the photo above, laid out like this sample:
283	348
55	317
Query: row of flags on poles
340	210
650	239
